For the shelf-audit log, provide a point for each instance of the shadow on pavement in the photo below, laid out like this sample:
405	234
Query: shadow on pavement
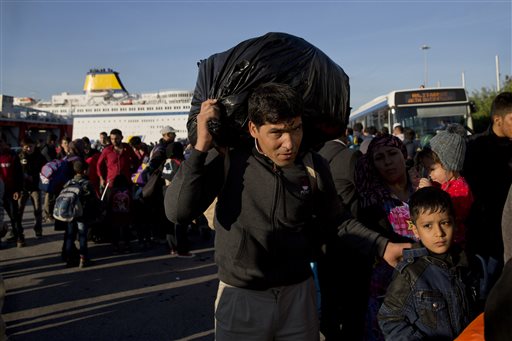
143	295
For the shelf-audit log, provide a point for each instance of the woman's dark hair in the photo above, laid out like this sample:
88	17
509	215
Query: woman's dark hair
430	199
273	103
77	148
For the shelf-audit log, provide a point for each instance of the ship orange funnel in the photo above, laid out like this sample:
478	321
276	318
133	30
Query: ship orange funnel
103	80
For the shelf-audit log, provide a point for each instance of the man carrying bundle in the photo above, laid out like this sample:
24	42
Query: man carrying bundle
276	205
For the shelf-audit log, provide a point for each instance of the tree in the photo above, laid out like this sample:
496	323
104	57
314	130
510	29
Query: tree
483	101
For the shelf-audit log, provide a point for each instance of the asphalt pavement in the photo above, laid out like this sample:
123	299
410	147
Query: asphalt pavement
142	295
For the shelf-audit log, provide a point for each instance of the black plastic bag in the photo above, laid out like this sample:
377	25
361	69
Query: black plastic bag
231	76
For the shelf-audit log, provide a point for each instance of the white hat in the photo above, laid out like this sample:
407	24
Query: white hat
396	125
167	130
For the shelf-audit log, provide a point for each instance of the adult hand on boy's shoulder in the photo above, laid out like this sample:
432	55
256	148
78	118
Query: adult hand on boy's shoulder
393	252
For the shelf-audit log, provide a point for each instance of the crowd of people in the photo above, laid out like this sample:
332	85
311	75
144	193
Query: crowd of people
408	239
117	184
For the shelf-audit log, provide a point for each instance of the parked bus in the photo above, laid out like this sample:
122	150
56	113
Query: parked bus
424	110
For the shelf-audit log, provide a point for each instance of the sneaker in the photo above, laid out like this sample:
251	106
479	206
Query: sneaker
20	243
186	255
84	262
48	220
173	253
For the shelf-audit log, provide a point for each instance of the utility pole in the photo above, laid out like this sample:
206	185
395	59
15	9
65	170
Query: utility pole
498	88
425	48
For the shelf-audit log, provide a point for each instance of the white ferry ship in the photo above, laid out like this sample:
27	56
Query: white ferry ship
106	104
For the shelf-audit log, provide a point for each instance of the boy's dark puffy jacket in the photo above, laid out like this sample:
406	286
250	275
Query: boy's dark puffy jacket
432	297
268	220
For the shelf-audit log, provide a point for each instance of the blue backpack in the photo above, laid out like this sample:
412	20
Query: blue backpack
54	174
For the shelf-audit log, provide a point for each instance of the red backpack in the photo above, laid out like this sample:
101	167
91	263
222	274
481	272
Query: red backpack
121	201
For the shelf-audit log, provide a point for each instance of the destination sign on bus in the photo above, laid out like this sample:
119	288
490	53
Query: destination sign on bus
430	96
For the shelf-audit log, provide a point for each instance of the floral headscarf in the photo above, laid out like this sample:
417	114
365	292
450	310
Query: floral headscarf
369	182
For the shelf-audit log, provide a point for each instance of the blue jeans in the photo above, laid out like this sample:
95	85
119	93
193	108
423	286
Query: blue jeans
73	228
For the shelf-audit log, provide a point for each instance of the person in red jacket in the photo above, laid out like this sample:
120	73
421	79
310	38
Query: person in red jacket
11	174
116	159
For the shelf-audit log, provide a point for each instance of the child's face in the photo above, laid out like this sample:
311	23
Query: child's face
436	172
435	230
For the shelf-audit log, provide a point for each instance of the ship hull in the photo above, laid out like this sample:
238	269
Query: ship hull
145	125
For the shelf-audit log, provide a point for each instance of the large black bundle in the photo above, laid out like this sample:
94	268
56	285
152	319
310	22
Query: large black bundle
231	76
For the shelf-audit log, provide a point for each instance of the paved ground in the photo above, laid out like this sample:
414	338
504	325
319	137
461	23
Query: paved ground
143	295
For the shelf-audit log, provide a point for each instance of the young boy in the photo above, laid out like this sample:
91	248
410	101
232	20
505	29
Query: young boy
433	294
443	162
90	207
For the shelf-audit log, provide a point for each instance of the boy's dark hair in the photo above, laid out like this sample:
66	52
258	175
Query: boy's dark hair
502	104
116	132
273	103
430	199
79	166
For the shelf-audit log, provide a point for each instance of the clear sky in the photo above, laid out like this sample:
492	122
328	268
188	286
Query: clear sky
47	47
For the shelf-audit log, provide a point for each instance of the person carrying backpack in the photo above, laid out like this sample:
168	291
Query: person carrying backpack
77	205
176	234
153	183
64	173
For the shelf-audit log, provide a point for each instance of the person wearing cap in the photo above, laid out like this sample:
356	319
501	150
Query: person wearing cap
398	131
157	156
443	162
155	201
168	133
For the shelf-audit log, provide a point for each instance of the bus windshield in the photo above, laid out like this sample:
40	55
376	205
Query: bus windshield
428	120
424	110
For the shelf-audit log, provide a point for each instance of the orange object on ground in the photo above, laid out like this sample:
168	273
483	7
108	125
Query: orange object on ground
474	331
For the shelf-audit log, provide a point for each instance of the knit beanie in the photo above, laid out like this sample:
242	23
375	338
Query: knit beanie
450	147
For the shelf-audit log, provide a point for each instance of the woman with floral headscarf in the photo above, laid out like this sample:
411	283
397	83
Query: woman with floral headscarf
384	190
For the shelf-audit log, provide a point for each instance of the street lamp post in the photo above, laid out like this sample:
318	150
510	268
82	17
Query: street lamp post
425	48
